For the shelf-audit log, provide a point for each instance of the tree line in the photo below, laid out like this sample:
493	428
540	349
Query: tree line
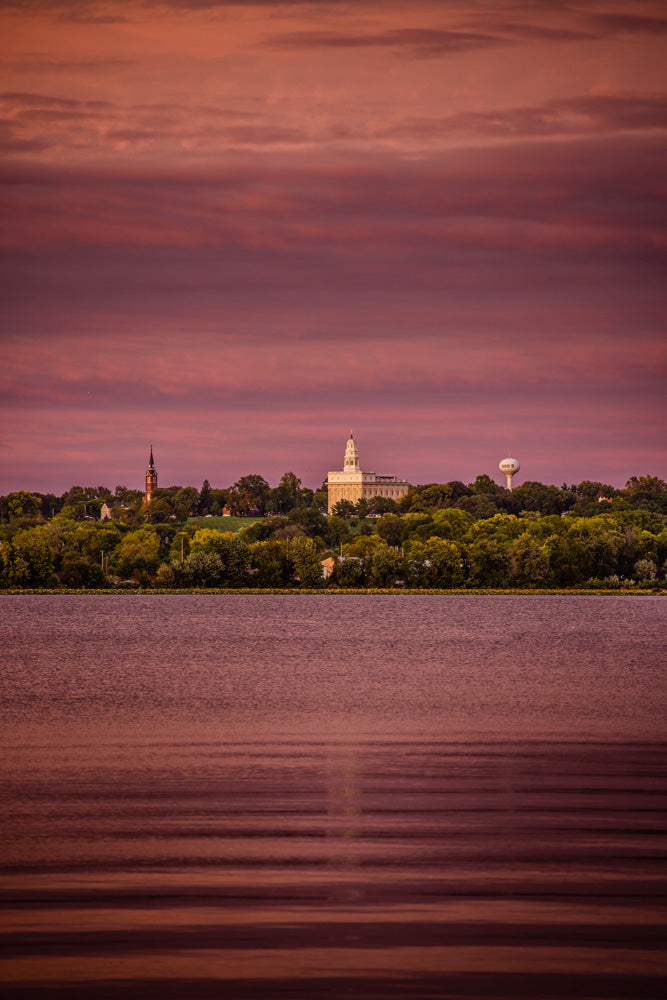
438	536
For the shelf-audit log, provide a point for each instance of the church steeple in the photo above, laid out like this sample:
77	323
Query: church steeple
151	479
351	463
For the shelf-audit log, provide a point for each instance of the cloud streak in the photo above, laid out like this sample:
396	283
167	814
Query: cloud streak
242	228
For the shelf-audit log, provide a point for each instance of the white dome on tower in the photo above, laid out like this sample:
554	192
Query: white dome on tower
509	467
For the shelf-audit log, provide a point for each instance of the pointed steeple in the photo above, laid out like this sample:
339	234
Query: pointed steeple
151	479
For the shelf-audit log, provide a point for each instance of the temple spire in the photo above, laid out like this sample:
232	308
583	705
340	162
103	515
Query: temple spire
351	463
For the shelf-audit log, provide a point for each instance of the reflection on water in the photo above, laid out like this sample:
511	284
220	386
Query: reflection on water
349	797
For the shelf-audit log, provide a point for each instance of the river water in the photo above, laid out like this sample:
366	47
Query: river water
333	796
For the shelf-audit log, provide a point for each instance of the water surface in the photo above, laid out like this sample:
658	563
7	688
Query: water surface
305	796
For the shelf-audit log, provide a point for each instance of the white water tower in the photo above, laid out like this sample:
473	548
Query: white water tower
510	467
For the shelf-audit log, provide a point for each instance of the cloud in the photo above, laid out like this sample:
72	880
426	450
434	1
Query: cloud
583	115
613	24
412	42
31	100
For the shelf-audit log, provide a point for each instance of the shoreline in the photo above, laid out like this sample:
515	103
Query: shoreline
337	592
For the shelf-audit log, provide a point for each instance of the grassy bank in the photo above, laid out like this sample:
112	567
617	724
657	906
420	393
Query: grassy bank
223	523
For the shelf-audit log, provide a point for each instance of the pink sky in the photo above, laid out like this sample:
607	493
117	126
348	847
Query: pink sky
237	230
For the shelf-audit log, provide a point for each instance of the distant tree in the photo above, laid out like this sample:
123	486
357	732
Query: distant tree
140	550
531	561
284	497
22	506
165	577
159	510
269	564
50	505
433	496
484	484
392	529
249	495
201	569
123	495
382	505
321	496
385	565
647	491
544	499
310	521
77	571
336	531
186	503
204	499
491	562
349	572
645	569
307	566
33	554
481	506
343	508
180	546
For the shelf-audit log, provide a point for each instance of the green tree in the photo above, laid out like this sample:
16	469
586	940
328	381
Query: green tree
385	565
343	508
186	503
23	506
249	495
204	500
78	571
269	564
645	569
201	569
446	562
647	491
180	546
484	484
491	562
382	505
32	549
544	499
209	540
159	510
286	494
349	572
138	550
531	560
392	528
237	557
306	559
336	531
165	578
321	497
14	569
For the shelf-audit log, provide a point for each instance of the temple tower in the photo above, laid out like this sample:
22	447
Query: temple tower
151	479
351	463
350	483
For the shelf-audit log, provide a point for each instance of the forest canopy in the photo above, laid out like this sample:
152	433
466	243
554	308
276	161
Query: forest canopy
439	536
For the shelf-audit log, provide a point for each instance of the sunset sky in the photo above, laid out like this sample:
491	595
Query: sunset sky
238	230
